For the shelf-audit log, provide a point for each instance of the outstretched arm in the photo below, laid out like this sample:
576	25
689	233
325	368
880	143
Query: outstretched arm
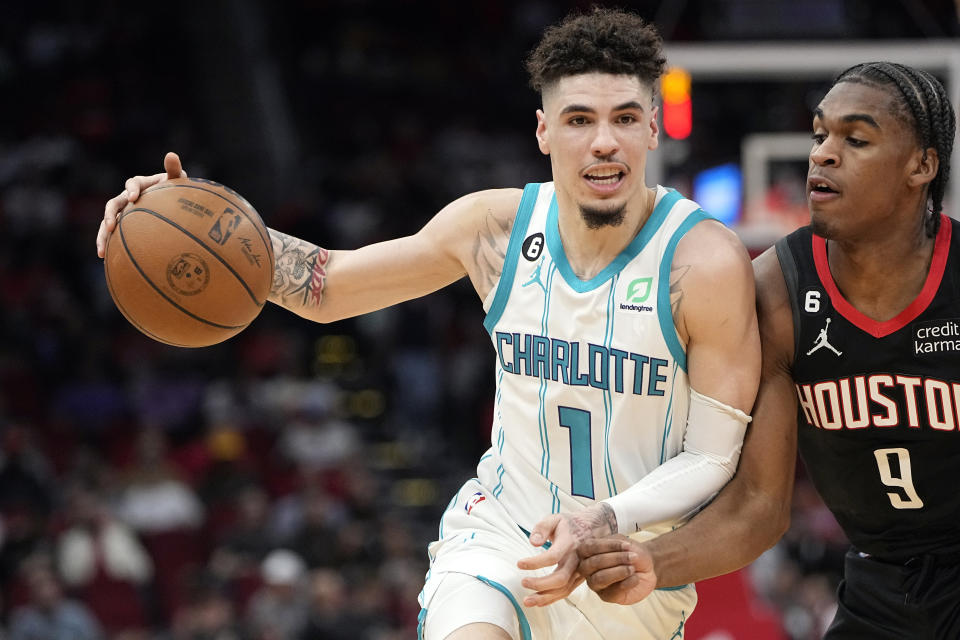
467	237
752	512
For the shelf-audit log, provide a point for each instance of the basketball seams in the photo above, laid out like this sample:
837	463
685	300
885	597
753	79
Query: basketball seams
196	239
136	266
136	324
241	207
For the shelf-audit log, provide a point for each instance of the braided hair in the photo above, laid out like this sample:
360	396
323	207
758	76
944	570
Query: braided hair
921	100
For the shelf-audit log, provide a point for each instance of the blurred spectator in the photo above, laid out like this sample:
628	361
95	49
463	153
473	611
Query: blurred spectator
26	498
330	616
166	513
318	442
50	616
154	498
103	562
229	468
314	539
206	613
278	611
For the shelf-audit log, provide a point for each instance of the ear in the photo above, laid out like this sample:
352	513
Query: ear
654	129
924	167
542	133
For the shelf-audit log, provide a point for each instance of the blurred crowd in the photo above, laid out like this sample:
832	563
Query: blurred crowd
282	485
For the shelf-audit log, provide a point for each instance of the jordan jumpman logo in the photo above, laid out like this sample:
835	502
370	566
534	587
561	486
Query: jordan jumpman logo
822	341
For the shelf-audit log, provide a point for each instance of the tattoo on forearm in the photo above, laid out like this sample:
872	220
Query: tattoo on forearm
676	289
300	271
597	521
490	249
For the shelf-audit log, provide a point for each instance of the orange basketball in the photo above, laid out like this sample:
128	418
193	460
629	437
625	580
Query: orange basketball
190	263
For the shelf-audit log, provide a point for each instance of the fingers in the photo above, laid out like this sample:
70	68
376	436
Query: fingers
554	586
548	558
543	598
602	578
566	569
600	561
544	530
102	239
593	546
110	211
624	591
133	187
171	164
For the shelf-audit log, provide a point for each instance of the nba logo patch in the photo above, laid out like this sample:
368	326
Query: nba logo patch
474	500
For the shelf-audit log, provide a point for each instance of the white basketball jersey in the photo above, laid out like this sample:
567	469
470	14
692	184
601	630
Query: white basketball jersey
592	390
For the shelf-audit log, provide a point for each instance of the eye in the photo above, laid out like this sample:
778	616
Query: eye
626	119
578	121
818	138
856	142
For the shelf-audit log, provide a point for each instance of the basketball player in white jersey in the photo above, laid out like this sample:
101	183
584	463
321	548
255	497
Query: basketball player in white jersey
626	347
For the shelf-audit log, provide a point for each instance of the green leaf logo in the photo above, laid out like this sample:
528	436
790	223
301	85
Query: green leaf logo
639	290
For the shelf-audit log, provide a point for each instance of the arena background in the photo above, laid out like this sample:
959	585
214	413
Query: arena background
284	484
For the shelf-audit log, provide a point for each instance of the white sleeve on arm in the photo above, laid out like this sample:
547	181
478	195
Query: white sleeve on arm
683	484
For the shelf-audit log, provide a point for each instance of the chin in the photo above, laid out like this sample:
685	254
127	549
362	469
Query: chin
822	227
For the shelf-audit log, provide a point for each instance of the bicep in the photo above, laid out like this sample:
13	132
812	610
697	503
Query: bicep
717	313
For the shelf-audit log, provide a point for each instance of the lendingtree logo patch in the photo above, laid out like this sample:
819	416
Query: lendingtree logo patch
638	290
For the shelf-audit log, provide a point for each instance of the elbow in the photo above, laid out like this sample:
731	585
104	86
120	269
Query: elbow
773	520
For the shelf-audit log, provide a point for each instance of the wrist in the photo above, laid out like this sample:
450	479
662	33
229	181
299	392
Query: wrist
602	519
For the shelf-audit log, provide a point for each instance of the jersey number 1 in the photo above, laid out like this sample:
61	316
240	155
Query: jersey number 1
903	481
581	459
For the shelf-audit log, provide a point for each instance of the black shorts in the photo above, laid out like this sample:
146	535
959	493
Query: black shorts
919	600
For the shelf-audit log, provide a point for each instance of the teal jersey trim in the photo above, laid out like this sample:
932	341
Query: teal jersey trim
607	395
649	228
545	545
679	632
505	284
667	328
521	616
421	618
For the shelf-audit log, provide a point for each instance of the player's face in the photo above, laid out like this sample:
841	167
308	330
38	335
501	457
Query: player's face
597	129
861	163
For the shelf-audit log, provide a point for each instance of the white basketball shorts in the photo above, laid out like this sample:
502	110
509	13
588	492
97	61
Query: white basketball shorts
473	577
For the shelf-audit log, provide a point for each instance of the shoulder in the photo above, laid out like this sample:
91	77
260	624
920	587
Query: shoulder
500	204
714	251
475	231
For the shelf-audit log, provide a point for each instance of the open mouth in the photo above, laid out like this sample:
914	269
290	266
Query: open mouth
821	186
604	177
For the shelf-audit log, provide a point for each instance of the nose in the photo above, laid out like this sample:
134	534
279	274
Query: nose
605	141
825	154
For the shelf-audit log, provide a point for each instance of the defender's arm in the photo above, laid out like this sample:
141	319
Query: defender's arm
752	512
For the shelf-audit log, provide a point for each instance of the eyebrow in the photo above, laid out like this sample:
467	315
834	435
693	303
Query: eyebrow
851	117
582	108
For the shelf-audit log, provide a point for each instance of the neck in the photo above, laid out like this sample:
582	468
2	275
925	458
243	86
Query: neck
883	275
588	250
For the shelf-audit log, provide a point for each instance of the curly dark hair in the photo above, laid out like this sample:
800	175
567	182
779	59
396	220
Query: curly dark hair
605	41
921	101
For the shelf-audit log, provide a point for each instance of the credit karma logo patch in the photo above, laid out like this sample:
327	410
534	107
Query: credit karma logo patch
638	292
